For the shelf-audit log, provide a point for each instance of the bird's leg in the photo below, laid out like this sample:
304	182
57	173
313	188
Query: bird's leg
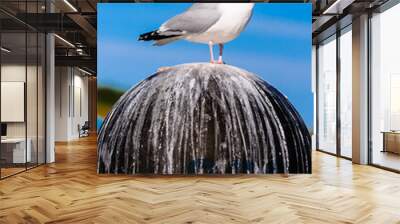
210	45
221	51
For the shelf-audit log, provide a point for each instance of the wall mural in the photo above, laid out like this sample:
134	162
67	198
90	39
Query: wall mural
196	117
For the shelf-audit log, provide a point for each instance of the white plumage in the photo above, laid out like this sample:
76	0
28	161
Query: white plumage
207	23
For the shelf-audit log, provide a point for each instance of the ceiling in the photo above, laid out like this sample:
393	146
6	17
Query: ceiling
75	23
332	15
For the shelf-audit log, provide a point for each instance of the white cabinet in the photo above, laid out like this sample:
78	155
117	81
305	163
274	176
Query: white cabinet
19	155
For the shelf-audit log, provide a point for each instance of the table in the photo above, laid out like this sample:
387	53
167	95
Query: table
13	150
391	141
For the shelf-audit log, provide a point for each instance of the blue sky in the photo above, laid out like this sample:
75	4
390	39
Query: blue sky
276	45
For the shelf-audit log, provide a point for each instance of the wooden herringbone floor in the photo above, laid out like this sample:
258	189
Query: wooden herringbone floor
70	191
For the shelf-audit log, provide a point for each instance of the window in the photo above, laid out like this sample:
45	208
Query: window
346	92
327	95
385	88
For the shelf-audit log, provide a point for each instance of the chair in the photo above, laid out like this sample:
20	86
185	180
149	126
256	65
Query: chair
84	130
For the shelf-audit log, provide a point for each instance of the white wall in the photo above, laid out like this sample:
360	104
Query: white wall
385	74
33	126
80	111
61	103
12	73
16	73
327	95
71	102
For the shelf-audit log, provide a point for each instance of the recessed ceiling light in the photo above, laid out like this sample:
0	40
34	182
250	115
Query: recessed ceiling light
65	41
84	71
70	5
337	7
5	50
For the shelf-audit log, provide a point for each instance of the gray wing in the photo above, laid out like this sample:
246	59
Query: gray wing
197	19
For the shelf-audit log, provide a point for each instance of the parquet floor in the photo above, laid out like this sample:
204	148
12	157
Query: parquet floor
10	171
70	191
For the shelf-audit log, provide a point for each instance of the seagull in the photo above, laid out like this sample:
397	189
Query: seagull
206	23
